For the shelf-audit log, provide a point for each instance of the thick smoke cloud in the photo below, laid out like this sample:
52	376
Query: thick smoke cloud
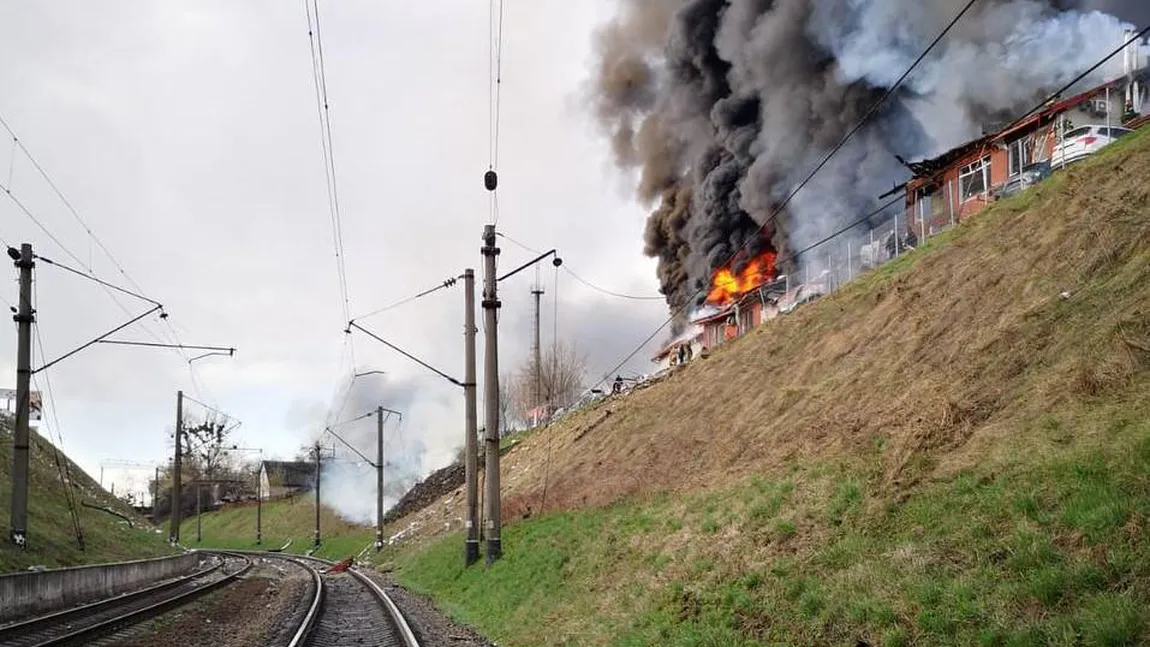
723	106
349	484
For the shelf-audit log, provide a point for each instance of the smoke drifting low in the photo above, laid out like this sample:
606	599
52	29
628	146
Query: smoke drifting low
349	483
723	106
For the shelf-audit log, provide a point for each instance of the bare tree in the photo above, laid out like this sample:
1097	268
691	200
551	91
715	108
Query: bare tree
506	404
556	384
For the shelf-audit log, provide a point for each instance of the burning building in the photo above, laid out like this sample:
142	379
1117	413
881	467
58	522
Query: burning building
742	295
964	180
721	108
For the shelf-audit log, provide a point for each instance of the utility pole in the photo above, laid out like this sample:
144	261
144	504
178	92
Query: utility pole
471	450
316	542
379	479
155	498
536	349
491	395
25	315
174	533
199	489
259	503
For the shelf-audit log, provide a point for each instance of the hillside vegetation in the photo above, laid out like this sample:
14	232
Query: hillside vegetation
51	537
282	521
954	449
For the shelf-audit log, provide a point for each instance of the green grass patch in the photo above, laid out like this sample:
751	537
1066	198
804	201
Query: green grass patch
51	537
1042	553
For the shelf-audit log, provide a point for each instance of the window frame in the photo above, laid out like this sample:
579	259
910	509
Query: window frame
970	170
1013	149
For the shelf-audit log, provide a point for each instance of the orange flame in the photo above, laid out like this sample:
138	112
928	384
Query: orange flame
727	287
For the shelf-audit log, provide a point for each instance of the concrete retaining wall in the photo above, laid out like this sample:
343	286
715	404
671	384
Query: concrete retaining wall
30	592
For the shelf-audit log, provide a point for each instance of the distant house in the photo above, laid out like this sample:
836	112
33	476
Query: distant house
964	180
285	478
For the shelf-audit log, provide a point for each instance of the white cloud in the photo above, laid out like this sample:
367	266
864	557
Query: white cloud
187	137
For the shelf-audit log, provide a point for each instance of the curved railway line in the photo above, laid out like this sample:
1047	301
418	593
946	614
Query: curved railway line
339	612
339	608
89	623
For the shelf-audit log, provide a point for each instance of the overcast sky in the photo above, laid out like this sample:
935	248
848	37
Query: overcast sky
186	136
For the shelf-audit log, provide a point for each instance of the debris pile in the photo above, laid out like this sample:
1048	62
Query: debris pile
427	491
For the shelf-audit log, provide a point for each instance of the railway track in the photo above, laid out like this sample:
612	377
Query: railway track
87	624
347	608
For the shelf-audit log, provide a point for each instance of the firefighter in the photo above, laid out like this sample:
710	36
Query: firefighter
617	387
682	354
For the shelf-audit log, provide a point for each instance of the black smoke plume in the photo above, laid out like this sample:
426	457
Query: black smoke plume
723	106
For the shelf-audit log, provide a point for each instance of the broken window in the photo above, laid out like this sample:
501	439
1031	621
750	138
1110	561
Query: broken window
1021	154
974	179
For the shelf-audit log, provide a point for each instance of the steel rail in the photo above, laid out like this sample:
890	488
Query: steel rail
308	622
139	615
39	623
307	626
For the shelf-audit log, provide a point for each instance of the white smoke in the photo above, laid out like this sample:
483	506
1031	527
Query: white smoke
1010	57
349	482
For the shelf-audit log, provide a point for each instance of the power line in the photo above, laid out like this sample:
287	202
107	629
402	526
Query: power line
1057	93
496	72
18	143
619	295
494	95
790	196
91	277
793	256
446	284
68	204
581	279
62	467
27	212
319	76
212	409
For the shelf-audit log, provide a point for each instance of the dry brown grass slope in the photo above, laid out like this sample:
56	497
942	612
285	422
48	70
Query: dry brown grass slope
1040	300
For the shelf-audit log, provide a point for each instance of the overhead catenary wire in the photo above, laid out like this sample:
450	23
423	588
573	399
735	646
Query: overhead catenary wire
807	179
227	417
62	467
323	109
52	237
1137	38
445	284
68	204
494	100
567	268
102	282
18	143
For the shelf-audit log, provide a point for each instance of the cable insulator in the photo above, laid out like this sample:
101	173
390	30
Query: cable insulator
491	180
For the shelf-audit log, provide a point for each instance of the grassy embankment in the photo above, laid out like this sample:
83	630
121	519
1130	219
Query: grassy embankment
52	540
281	521
954	450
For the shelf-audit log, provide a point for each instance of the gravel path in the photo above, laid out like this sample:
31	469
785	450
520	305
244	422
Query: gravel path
255	611
431	627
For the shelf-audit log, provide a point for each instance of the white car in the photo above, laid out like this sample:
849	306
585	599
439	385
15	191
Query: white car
1084	141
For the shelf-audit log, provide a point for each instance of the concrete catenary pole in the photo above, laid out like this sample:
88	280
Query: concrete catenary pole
317	500
174	532
491	396
537	354
260	502
379	479
199	511
156	498
25	315
471	421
